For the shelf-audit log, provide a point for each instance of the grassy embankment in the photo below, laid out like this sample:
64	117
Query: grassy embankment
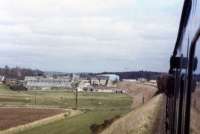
147	119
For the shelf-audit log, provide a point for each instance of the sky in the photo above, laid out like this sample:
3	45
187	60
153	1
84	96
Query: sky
88	35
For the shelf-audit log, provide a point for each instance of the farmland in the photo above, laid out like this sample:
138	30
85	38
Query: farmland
11	117
63	99
96	107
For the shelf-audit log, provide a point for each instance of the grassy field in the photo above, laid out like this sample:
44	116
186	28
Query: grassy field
63	99
96	106
75	125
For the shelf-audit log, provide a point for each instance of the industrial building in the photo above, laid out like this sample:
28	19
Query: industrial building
47	82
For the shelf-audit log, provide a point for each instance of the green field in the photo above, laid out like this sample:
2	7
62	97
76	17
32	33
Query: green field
75	125
96	106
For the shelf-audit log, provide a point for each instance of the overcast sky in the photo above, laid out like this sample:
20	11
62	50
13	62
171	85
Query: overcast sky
88	35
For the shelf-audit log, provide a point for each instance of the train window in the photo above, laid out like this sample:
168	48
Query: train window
195	103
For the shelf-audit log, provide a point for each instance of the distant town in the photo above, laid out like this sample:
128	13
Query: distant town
27	79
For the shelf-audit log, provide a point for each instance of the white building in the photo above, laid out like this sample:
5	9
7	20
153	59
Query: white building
84	85
46	83
129	80
2	78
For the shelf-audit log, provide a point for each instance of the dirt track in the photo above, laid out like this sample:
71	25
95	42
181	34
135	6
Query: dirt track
12	117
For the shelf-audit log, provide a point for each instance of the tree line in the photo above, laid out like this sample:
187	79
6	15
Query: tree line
19	73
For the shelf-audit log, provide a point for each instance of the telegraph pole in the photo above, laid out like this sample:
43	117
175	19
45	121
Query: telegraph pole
76	97
75	86
35	97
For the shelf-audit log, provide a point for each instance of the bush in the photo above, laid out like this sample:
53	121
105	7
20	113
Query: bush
18	87
95	128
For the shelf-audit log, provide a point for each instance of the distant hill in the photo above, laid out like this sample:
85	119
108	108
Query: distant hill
143	74
137	74
128	75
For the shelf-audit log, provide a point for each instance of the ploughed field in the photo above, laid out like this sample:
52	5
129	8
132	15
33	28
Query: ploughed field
11	117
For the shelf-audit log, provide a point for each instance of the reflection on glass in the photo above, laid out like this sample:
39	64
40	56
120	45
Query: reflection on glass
195	110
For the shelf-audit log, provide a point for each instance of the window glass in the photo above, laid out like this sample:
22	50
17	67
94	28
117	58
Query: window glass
195	110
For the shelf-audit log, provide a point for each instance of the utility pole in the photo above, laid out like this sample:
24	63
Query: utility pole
76	97
143	98
35	97
75	86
